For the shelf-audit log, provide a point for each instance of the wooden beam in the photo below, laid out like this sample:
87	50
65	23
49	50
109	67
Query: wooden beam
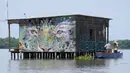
13	21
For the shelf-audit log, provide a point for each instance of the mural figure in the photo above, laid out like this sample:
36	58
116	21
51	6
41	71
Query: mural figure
51	35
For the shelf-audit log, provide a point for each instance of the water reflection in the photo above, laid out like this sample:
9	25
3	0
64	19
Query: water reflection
55	66
45	64
67	66
89	63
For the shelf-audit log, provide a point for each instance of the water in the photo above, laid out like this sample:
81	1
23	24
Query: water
64	66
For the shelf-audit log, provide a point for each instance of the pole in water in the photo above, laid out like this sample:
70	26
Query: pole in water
20	54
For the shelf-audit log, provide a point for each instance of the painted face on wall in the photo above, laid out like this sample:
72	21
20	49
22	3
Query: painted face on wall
56	34
63	30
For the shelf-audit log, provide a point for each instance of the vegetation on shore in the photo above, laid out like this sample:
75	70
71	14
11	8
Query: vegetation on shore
123	44
4	43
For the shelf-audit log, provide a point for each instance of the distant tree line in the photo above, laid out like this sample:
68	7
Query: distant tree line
123	44
4	43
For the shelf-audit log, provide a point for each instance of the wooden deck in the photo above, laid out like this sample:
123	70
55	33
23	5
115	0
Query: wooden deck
47	55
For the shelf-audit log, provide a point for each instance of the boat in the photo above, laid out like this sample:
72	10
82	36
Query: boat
109	55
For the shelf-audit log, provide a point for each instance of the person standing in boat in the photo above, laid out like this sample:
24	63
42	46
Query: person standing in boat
108	48
115	46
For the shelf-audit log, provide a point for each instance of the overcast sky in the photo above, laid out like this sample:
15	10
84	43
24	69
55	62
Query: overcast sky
118	10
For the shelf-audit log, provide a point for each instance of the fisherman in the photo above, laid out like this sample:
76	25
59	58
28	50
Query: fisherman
108	48
115	46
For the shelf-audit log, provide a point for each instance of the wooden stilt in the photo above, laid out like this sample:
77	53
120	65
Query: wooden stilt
49	55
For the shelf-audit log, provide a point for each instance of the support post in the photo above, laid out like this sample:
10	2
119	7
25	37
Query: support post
9	37
107	34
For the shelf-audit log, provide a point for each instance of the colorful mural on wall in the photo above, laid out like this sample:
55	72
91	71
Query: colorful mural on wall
51	35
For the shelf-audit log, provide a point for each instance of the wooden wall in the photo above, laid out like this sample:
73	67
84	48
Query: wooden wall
85	24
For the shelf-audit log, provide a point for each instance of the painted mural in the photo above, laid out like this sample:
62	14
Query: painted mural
50	35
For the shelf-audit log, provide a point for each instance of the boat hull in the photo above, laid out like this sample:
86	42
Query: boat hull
109	55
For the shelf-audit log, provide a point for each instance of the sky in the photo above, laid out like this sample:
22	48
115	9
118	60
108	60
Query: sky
118	10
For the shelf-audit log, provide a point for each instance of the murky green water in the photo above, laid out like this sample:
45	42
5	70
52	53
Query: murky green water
64	66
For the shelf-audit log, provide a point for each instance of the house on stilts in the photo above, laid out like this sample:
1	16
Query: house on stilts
64	36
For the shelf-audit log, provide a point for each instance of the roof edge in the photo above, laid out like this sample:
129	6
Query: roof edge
60	16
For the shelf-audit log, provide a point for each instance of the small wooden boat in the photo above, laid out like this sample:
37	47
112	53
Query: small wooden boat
109	55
